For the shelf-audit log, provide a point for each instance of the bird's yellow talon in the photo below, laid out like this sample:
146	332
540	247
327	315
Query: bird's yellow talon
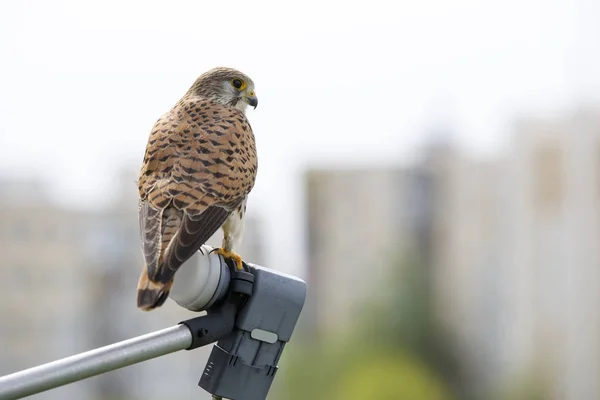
233	256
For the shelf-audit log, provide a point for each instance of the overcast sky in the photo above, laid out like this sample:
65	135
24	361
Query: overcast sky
81	84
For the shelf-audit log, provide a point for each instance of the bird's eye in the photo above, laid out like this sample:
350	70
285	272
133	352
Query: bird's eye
238	84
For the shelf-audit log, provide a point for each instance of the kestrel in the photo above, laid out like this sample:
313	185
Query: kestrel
199	167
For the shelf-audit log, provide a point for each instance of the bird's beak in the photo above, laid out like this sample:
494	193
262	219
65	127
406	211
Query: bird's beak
251	99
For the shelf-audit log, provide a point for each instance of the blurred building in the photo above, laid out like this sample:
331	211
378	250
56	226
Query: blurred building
71	286
358	223
554	171
518	279
468	212
511	243
45	286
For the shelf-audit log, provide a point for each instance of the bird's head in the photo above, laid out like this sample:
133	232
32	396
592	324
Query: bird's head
226	86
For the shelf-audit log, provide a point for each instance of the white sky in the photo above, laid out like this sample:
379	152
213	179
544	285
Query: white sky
81	84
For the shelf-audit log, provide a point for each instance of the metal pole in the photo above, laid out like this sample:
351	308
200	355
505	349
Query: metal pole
94	362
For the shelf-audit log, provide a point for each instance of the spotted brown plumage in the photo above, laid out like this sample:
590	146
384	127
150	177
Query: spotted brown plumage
199	167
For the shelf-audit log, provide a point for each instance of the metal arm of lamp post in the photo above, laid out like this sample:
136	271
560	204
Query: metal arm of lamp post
250	314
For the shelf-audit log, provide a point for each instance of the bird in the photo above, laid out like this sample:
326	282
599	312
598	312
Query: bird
199	166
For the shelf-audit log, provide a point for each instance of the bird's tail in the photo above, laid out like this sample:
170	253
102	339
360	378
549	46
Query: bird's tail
150	294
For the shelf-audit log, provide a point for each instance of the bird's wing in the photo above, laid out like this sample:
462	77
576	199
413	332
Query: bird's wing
200	163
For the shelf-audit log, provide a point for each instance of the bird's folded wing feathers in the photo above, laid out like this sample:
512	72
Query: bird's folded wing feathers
192	234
